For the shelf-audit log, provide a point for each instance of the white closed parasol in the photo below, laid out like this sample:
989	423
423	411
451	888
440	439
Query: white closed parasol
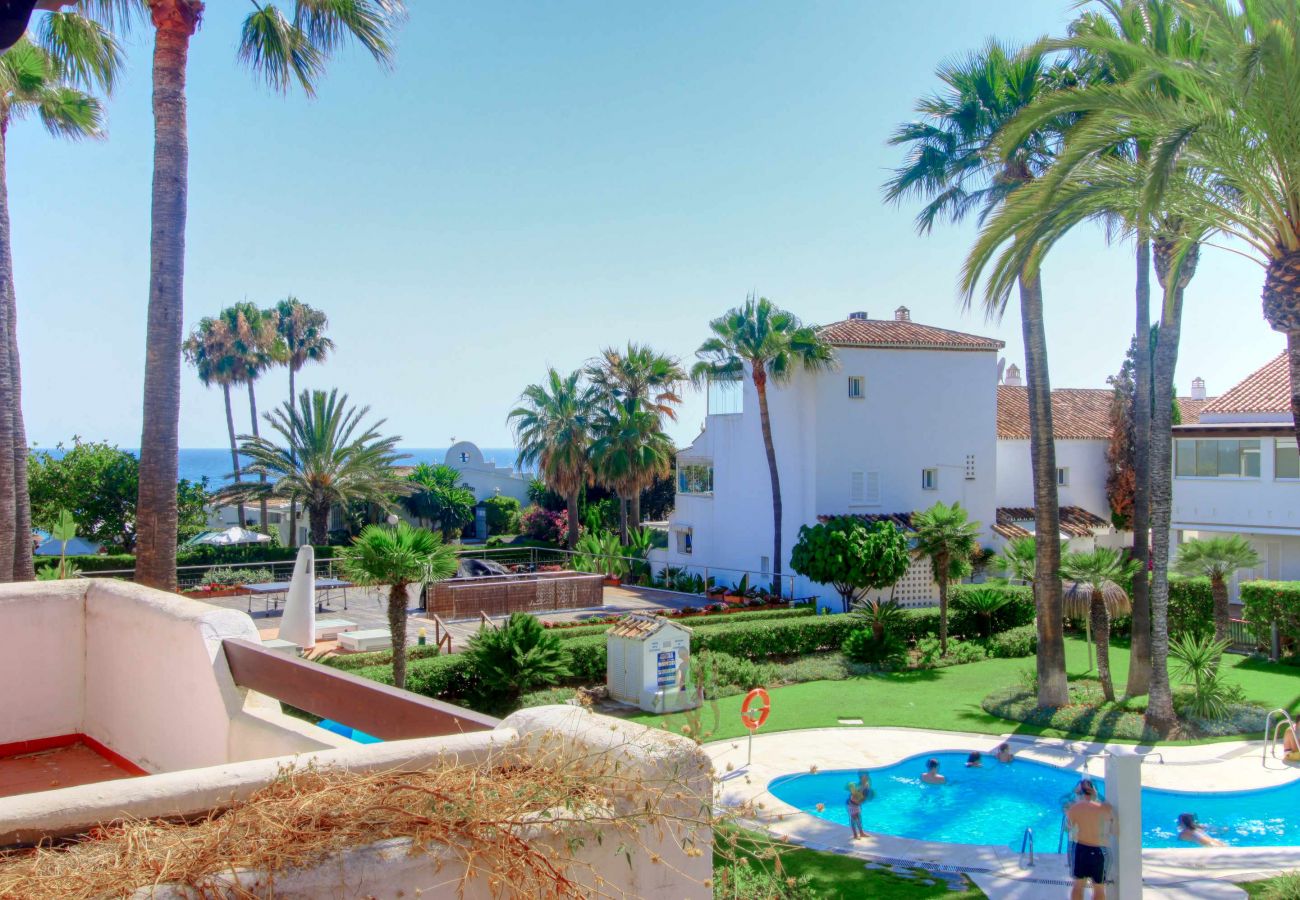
298	624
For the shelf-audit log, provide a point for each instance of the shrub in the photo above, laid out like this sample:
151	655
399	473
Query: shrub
959	653
790	637
1191	606
966	619
743	673
863	646
1267	602
519	656
351	662
1015	642
503	514
1283	887
543	525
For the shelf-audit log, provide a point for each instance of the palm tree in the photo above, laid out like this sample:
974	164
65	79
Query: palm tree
638	377
328	458
283	50
1017	562
1218	559
303	331
439	498
1101	571
1100	174
553	430
50	74
255	346
769	344
397	557
954	162
209	348
945	536
629	452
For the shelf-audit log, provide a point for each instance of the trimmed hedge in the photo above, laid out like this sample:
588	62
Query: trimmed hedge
352	662
195	556
1018	611
705	621
1267	602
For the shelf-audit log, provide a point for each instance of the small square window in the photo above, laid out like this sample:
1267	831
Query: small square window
1063	476
855	387
929	479
684	541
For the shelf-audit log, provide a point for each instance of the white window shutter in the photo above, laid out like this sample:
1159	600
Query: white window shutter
857	487
872	497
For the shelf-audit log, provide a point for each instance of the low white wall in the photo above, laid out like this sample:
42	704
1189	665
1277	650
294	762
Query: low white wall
42	660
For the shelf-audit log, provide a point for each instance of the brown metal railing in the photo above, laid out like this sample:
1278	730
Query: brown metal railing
441	633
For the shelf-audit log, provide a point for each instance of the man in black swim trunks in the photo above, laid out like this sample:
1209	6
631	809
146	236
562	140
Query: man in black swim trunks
1092	820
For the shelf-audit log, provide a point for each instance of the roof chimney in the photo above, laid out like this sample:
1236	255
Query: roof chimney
858	315
1013	376
1198	388
902	314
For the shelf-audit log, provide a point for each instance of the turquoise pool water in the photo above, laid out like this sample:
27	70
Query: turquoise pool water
993	804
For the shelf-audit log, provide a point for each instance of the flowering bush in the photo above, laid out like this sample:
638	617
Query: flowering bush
544	525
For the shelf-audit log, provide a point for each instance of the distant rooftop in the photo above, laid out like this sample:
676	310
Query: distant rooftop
901	333
1077	413
1075	522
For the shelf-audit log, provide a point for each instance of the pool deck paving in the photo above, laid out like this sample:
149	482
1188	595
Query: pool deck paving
1168	873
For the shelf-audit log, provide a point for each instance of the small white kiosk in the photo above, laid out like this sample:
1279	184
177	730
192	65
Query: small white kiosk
647	658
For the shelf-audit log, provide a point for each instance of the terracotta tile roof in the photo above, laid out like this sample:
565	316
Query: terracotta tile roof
1190	410
1077	413
641	626
1267	390
896	334
902	520
1075	521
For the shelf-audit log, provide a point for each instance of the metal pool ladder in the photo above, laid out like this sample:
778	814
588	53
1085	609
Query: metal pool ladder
1027	843
1272	728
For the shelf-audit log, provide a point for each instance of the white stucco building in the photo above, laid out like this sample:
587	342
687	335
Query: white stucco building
483	476
1236	471
907	417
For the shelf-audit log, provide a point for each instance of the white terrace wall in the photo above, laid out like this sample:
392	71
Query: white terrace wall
139	670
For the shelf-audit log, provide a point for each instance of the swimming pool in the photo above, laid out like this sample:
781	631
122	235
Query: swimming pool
993	804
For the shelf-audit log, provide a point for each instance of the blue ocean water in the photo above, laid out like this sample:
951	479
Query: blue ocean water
213	463
993	804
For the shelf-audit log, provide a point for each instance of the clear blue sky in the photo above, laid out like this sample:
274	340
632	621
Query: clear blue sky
531	182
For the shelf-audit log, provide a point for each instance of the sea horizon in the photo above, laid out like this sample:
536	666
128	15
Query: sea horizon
213	463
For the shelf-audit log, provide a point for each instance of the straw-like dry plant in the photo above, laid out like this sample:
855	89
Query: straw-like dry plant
519	820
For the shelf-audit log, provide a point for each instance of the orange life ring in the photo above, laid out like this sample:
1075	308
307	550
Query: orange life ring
753	719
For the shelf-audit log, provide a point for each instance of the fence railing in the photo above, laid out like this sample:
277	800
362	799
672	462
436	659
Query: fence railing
698	580
1242	637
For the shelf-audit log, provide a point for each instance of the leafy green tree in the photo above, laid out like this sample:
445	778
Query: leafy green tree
1217	558
553	426
98	483
955	163
502	514
397	557
768	344
851	556
327	458
944	535
439	498
283	48
519	656
1017	560
1102	570
302	329
50	74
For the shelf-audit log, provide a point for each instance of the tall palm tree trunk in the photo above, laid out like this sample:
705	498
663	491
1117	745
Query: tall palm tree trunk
634	508
1222	611
293	456
1139	667
571	539
769	448
1101	637
174	23
941	563
1160	706
622	518
10	400
1053	689
234	446
318	515
23	564
1282	311
252	409
397	632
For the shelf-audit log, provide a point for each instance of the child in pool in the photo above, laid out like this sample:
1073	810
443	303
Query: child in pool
854	804
864	785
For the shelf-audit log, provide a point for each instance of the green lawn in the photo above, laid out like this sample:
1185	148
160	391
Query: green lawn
949	699
831	875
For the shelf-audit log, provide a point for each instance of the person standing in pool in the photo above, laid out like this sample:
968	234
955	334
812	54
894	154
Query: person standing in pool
1003	753
931	774
974	761
1092	820
854	805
